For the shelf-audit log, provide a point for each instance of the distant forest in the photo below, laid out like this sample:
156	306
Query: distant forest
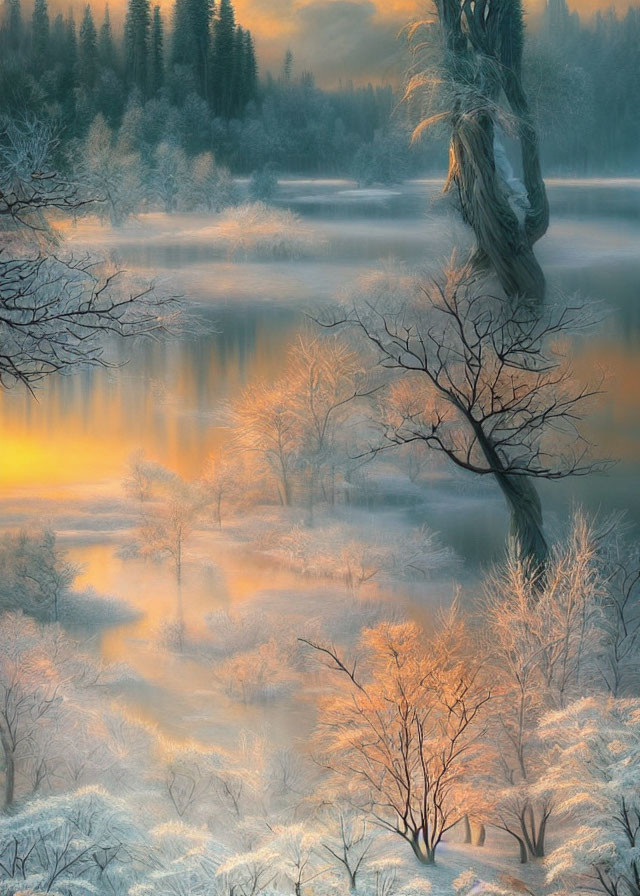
193	83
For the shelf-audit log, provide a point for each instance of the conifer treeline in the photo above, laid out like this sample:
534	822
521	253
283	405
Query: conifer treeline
86	69
192	81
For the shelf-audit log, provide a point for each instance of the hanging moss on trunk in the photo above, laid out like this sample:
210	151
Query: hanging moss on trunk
481	67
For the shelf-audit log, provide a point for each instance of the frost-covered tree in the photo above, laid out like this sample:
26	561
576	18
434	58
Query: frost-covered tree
168	508
35	574
170	175
30	695
249	873
85	841
221	481
298	859
30	183
57	310
401	733
349	842
618	661
324	377
209	784
265	429
540	646
594	782
110	171
49	736
182	861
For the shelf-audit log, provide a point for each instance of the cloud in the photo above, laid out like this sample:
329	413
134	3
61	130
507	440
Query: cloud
336	40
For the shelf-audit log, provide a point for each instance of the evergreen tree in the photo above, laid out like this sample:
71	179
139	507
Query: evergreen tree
250	69
157	51
106	47
238	89
69	66
137	34
40	35
88	51
287	67
191	44
13	27
180	38
222	60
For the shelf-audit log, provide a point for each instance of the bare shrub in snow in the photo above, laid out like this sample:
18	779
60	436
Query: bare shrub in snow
261	674
257	230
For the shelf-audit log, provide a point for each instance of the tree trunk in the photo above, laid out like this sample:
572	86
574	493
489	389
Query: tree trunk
522	846
466	827
9	771
486	50
524	506
480	835
526	520
501	238
424	853
524	858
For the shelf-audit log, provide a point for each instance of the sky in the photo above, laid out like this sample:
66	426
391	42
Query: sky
349	39
338	40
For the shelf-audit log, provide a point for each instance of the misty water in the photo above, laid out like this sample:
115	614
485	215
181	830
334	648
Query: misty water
63	456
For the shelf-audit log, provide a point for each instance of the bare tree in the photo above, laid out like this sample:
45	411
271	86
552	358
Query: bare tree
55	314
483	382
402	734
469	57
265	428
56	310
325	377
349	841
29	183
220	481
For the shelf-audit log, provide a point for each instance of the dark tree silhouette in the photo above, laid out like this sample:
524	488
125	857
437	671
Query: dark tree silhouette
88	51
480	380
478	48
157	51
137	40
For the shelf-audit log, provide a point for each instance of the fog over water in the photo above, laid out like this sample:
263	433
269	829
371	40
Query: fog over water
63	455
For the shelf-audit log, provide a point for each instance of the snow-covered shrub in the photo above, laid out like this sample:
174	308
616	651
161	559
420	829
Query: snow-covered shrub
236	631
336	552
183	862
83	842
255	229
259	675
469	884
594	783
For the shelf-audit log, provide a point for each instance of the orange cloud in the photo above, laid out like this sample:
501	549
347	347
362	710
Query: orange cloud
338	39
